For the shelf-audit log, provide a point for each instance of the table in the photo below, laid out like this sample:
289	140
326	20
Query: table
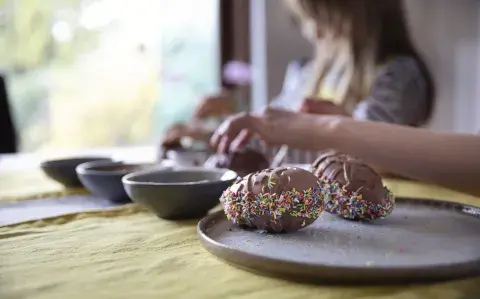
127	251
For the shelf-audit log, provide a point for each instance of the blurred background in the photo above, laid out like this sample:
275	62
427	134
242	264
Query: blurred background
104	73
83	73
446	32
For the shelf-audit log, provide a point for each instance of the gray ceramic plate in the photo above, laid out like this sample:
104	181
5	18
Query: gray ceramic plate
423	240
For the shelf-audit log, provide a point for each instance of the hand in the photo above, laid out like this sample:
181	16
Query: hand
174	134
274	126
178	131
317	106
216	105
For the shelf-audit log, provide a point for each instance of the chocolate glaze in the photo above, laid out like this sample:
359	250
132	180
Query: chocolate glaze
352	174
284	179
242	161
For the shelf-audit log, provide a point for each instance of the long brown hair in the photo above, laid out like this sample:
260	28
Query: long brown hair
370	31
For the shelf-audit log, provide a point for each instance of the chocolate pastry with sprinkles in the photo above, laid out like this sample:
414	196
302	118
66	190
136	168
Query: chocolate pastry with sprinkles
242	161
283	199
351	188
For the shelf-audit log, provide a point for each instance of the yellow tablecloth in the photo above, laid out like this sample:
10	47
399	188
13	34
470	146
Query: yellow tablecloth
23	185
128	252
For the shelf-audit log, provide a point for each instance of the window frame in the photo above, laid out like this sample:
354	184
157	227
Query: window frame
235	39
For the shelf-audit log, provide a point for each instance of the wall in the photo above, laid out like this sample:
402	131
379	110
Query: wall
275	42
449	37
446	31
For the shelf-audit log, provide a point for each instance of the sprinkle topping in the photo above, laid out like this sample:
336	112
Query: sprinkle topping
351	205
242	207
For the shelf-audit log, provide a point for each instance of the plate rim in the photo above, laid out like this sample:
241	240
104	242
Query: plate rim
317	273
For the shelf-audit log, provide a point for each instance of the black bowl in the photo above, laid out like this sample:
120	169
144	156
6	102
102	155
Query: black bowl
104	178
181	193
63	170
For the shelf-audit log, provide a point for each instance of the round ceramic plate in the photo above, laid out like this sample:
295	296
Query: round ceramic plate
423	240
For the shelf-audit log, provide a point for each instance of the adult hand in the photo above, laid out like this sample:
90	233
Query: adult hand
273	126
317	106
216	105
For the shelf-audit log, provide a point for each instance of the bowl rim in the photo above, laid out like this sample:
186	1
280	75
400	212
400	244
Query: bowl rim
188	150
86	168
85	159
128	180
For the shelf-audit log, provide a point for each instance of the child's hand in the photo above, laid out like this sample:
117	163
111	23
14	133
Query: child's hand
318	106
215	106
273	126
173	135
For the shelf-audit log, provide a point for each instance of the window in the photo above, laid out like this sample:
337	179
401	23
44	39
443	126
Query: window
101	73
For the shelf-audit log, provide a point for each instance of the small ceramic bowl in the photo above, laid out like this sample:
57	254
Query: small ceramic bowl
63	170
104	179
180	193
187	157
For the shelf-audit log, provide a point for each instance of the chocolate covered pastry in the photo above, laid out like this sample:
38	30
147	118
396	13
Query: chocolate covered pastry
351	188
276	200
242	161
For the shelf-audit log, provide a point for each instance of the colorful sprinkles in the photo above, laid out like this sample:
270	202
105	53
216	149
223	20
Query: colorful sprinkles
351	205
242	207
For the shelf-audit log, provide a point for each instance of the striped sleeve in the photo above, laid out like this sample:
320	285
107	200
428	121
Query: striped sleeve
399	95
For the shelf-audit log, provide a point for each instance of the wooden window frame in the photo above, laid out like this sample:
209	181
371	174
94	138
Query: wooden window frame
235	38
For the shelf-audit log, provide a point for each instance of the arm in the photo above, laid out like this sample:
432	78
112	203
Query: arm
448	159
399	95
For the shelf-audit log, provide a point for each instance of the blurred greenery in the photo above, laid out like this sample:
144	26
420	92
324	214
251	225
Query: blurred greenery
26	29
90	88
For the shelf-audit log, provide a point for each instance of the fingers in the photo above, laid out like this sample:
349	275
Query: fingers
236	129
225	134
228	144
242	139
218	134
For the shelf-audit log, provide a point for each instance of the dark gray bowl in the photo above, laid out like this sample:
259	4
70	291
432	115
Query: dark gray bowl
63	170
104	179
181	193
